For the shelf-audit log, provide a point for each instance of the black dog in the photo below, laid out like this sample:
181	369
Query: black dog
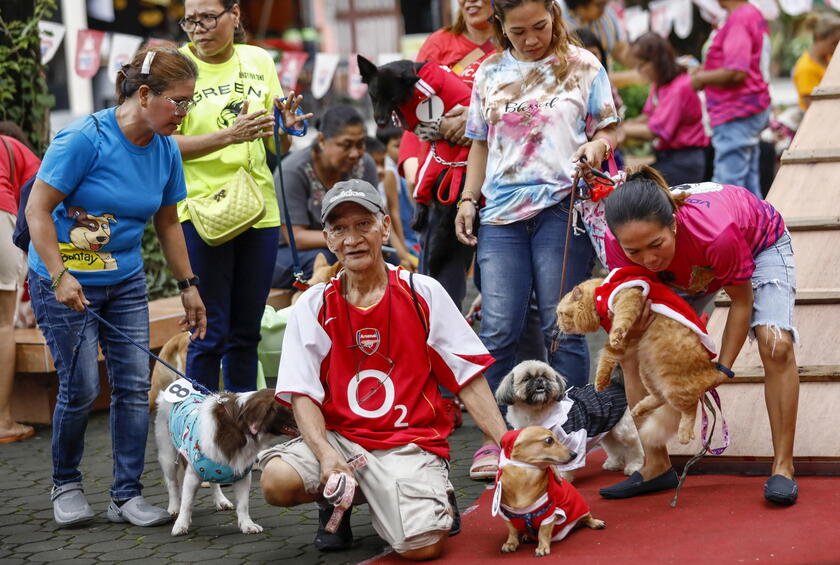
415	96
389	87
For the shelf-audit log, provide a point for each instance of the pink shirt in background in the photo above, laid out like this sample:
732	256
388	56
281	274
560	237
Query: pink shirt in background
675	115
720	229
742	44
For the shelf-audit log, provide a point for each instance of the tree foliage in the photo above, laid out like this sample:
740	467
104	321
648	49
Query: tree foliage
24	97
159	279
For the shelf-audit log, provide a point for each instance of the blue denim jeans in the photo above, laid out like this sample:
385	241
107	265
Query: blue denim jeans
517	260
774	290
737	151
235	279
73	338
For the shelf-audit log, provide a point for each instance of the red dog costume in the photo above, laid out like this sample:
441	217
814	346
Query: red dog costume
562	504
424	110
665	301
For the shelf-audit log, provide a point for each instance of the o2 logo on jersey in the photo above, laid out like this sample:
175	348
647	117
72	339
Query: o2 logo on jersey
368	340
383	383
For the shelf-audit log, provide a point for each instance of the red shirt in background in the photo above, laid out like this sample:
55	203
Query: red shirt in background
26	165
440	48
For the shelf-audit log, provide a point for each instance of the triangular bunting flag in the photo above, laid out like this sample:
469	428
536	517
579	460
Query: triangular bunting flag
88	43
325	65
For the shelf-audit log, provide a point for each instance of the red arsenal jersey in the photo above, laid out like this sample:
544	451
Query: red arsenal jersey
375	372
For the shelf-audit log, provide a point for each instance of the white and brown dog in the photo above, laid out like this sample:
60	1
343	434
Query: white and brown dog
580	417
535	501
214	440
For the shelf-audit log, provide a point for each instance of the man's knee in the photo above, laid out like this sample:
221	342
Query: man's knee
432	551
282	485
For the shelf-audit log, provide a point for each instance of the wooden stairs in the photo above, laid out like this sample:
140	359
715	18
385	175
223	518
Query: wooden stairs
806	191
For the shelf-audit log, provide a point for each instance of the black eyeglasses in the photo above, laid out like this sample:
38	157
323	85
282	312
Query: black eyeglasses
382	381
206	21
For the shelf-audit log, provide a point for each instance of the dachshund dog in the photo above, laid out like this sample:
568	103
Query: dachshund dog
535	501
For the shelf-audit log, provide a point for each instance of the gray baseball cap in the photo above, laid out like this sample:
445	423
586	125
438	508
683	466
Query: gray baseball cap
354	190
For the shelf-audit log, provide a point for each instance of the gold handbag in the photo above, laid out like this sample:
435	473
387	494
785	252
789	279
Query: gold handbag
230	210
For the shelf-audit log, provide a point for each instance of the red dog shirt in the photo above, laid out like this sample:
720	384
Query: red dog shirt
427	107
562	504
665	301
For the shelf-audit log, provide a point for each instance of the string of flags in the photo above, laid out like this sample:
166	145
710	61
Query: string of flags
661	16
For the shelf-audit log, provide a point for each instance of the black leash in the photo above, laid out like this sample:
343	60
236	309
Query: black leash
297	271
196	385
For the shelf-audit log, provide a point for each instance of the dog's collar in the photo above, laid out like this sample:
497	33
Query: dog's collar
504	462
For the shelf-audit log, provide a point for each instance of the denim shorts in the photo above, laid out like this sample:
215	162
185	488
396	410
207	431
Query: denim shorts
774	289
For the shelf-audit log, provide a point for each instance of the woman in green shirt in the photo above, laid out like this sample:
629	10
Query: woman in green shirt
230	127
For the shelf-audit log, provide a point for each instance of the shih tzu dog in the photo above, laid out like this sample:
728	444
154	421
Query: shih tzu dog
580	417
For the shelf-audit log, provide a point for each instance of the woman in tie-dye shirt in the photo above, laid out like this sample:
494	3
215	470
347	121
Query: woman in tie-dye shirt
537	107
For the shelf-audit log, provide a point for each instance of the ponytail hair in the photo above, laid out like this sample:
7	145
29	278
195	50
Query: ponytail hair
156	67
643	197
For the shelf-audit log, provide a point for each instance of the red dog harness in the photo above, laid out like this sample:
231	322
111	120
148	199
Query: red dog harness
665	301
562	504
425	109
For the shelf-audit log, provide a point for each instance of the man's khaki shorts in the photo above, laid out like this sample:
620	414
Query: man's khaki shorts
12	259
406	487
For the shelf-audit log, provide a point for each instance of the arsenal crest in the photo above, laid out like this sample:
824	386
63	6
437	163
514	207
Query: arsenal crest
368	340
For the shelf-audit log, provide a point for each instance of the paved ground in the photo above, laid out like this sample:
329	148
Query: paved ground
28	533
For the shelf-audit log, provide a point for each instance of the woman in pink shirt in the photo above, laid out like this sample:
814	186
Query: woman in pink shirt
735	77
698	240
672	117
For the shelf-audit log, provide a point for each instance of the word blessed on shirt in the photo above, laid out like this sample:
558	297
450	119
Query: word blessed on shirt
529	106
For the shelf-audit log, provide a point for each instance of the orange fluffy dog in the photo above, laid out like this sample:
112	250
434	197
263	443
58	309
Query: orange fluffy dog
534	499
674	365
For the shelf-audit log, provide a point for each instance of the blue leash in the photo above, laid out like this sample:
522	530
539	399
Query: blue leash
297	270
196	385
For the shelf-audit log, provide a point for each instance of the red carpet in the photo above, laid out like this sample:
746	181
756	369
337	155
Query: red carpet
719	519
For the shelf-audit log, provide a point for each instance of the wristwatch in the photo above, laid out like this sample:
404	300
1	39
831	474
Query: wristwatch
187	283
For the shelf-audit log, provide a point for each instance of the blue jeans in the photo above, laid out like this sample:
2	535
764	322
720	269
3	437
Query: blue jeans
72	338
774	289
737	152
517	260
235	281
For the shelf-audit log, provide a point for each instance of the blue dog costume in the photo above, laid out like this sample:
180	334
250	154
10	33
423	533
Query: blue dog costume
183	426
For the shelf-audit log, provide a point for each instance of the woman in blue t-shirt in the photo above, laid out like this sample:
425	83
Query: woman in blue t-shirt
102	178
